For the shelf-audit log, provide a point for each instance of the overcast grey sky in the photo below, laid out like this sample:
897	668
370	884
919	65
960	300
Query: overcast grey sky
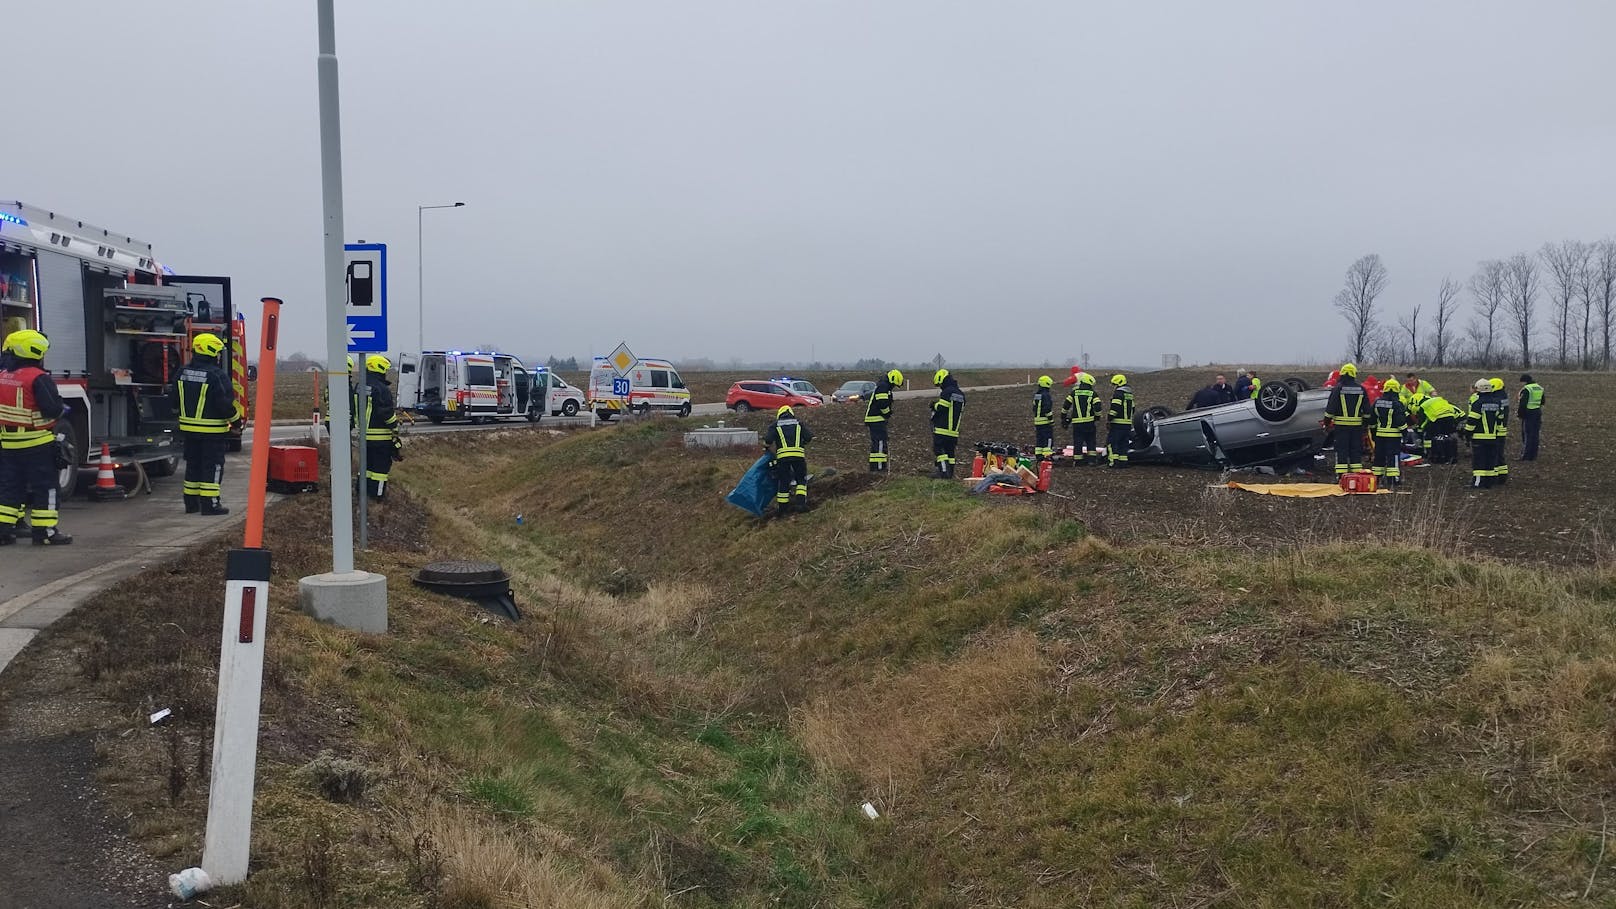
998	181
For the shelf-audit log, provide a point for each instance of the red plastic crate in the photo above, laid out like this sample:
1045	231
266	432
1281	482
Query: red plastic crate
294	468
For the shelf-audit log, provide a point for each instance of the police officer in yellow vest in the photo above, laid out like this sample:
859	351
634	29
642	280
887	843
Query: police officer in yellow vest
1346	410
1043	419
787	438
1530	410
1079	411
29	408
877	411
205	406
382	445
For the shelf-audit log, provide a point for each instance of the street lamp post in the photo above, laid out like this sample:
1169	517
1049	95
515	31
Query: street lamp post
420	272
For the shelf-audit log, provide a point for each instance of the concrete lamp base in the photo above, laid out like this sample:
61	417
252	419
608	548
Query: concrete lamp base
352	599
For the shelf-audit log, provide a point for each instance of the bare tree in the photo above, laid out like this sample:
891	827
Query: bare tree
1410	324
1365	281
1587	297
1447	308
1521	284
1487	287
1604	293
1566	262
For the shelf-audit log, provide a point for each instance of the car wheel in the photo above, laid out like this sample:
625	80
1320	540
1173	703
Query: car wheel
684	409
1144	424
166	467
605	416
569	408
67	478
1276	402
436	418
533	416
1297	383
742	407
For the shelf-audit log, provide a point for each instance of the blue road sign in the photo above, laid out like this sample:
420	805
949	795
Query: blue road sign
366	282
621	387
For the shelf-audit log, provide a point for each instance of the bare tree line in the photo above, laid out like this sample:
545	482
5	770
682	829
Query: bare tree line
1552	307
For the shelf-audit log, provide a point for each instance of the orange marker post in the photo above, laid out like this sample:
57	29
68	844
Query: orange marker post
241	653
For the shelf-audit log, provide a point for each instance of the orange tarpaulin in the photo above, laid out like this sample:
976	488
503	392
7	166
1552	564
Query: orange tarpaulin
1302	490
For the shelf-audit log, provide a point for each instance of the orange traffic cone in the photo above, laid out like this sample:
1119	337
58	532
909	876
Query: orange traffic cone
106	485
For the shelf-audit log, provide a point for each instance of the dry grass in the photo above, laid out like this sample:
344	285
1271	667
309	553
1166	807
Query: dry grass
888	730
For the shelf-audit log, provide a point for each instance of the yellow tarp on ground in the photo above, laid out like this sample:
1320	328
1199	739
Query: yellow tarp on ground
1302	490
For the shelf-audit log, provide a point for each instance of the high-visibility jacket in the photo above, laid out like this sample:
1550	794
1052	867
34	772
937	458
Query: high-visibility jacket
1082	405
789	438
879	407
948	409
1256	387
29	406
1346	404
1531	402
1121	409
1043	408
1436	408
1485	420
204	398
381	423
1390	417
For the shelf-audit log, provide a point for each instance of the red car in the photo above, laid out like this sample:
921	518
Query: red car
766	396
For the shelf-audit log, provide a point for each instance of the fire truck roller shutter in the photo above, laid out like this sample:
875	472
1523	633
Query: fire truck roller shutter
62	311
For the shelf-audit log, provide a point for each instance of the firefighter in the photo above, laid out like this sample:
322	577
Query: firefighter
382	444
876	414
946	413
205	408
1119	422
1079	412
29	408
1495	387
1391	418
1530	410
1345	410
787	439
1437	421
8	361
1043	419
1481	426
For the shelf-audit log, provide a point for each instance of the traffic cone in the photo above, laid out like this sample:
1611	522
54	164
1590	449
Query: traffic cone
106	485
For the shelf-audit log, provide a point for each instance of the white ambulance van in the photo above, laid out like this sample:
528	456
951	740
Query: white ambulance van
653	385
479	386
553	397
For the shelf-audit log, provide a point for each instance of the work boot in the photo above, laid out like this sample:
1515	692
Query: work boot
213	507
50	536
193	504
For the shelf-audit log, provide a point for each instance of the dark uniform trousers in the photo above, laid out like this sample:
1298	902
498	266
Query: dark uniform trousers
1083	442
1348	449
1484	461
878	446
204	466
1386	464
1045	445
942	448
28	482
378	464
1441	447
791	482
1531	425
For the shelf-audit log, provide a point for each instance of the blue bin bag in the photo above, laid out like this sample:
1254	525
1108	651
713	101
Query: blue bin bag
755	493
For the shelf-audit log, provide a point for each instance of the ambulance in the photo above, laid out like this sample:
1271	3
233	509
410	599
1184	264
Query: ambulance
553	397
475	385
652	385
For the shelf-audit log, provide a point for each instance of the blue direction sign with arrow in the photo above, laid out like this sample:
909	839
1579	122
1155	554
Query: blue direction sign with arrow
366	280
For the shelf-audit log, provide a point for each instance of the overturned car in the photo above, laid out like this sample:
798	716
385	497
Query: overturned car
1282	425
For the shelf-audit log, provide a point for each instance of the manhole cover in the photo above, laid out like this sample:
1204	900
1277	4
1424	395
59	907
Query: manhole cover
485	582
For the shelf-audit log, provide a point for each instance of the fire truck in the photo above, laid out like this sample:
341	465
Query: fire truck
120	326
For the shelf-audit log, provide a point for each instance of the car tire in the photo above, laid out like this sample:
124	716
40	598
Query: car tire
742	407
435	418
1144	424
1297	383
1276	402
569	408
684	409
605	416
67	478
533	416
166	467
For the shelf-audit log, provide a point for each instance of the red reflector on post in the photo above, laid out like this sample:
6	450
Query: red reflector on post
249	602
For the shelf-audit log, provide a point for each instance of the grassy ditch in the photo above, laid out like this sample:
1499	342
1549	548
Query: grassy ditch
698	704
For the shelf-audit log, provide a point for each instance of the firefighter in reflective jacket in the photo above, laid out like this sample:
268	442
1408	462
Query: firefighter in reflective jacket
1079	411
1495	387
876	414
205	408
1043	419
382	445
29	408
946	413
18	505
1482	423
1119	422
1345	409
1530	410
787	439
1437	420
1391	418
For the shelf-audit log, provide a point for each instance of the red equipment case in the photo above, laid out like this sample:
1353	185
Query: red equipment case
294	468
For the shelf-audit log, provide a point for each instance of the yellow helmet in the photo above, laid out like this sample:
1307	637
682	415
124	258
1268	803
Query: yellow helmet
894	377
1496	384
350	363
28	344
1045	382
1119	380
939	377
207	344
1349	369
1084	378
378	363
1391	386
784	409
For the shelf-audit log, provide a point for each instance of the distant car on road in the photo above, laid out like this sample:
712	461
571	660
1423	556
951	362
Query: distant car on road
852	391
1284	424
800	386
767	396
